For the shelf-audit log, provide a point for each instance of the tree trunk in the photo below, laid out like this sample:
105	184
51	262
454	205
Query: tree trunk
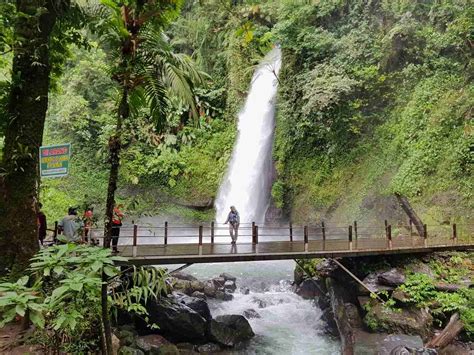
107	344
115	147
411	213
448	334
27	106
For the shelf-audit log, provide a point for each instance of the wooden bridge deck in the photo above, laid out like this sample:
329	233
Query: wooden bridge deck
189	253
155	245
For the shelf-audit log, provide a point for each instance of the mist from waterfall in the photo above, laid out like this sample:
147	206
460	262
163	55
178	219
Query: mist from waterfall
247	182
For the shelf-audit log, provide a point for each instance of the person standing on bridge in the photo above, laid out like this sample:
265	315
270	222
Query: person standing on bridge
116	224
233	218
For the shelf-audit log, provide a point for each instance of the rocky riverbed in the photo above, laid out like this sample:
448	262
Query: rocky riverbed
185	323
402	306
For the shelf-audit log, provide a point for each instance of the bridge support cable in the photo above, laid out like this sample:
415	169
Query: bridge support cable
358	280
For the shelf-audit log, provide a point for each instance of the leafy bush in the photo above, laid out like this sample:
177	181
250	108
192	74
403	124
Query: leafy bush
64	303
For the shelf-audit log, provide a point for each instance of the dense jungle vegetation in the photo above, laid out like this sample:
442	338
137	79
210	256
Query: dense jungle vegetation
375	98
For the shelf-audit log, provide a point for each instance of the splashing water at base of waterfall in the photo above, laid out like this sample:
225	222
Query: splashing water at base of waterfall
287	325
247	182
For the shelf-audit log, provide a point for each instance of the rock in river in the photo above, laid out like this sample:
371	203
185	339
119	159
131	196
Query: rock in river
229	330
196	304
177	322
393	277
308	289
408	320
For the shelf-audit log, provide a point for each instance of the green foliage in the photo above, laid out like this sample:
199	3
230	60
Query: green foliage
366	109
65	301
420	289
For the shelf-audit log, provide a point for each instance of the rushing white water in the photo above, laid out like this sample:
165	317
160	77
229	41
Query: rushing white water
287	325
247	182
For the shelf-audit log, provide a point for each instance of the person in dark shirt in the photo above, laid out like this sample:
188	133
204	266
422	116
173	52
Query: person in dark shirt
42	224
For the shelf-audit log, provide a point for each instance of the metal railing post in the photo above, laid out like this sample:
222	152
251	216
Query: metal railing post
135	240
389	236
305	232
166	233
455	234
55	232
350	237
256	234
425	235
253	233
200	240
323	230
355	234
291	232
212	232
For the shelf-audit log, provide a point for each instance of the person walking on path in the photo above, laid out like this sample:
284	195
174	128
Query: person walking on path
233	218
116	224
42	224
71	226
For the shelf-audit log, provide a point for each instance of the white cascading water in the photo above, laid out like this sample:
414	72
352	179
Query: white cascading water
247	184
286	323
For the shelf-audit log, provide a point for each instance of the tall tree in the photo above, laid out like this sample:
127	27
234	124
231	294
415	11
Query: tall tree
26	110
24	118
146	70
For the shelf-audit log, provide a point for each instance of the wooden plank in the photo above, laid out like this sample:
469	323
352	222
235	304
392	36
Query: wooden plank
167	258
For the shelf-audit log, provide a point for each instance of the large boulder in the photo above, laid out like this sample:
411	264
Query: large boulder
151	344
210	289
393	277
177	322
219	282
196	304
228	277
187	287
407	320
373	283
229	330
406	350
309	289
230	286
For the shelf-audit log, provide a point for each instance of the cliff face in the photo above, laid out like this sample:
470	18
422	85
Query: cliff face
375	99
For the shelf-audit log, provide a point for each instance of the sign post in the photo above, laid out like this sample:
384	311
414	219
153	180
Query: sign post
54	160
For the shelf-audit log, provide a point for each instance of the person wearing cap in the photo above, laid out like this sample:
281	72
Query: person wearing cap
71	226
233	219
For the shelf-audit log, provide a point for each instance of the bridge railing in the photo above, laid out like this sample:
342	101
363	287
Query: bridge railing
213	238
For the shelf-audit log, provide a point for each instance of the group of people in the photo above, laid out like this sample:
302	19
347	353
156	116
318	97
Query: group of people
77	229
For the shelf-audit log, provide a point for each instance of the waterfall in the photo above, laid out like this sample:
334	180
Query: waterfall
247	182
